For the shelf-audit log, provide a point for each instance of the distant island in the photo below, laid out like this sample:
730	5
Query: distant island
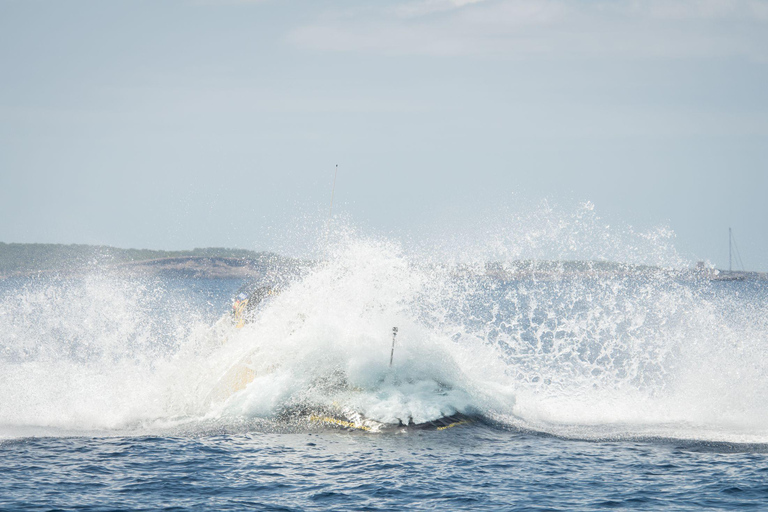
222	263
33	259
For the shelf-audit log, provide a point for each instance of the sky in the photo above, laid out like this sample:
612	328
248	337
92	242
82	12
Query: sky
196	123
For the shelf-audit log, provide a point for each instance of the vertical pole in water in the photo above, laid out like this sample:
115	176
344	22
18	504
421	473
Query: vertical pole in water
392	354
730	265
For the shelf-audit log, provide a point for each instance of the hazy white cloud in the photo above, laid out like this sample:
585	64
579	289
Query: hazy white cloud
228	2
701	9
549	28
423	7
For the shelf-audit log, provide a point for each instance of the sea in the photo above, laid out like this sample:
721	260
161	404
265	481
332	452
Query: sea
584	387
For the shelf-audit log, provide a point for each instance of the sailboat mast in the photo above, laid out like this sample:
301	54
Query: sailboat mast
730	252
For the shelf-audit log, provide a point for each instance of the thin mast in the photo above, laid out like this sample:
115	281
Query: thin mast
730	252
392	354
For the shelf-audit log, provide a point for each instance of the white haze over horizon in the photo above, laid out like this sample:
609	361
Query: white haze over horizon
186	123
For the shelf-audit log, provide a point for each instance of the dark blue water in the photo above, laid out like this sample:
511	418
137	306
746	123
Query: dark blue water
473	468
628	394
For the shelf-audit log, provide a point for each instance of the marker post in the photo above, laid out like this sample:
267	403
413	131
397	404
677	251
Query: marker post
392	354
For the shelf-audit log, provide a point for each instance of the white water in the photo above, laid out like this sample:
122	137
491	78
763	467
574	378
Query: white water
642	355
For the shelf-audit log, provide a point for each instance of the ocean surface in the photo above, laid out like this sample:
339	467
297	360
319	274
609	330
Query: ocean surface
628	389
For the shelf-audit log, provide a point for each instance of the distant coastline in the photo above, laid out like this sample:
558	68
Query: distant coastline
18	260
207	263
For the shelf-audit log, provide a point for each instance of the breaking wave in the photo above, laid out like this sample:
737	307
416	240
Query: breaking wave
584	349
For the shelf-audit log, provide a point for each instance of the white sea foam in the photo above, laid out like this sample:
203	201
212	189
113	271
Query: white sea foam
632	353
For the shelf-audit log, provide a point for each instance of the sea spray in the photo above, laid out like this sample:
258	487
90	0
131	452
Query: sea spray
326	338
577	346
82	352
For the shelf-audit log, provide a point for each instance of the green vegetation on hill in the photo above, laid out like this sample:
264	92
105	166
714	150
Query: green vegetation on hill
28	258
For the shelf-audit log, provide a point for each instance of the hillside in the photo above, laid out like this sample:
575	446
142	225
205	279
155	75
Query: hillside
25	259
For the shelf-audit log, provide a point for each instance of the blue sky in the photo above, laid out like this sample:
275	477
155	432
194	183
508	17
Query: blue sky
182	124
